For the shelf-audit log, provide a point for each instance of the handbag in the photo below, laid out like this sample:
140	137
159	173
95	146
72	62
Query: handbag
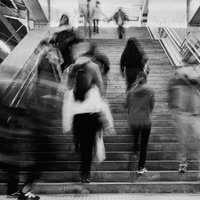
99	154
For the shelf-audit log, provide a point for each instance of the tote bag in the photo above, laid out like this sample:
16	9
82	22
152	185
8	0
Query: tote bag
99	154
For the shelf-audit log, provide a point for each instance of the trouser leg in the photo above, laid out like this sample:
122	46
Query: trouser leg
90	27
13	179
94	28
120	32
136	133
85	26
145	132
97	26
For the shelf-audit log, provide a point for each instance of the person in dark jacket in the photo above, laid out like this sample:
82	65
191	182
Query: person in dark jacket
64	37
140	103
101	59
132	61
120	17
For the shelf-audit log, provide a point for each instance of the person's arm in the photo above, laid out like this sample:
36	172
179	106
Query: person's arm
126	105
126	17
112	17
70	40
100	11
103	58
152	101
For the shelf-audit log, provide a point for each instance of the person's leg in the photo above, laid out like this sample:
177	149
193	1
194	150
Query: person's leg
82	124
90	28
120	32
145	132
94	27
136	133
182	130
13	180
97	27
123	32
85	26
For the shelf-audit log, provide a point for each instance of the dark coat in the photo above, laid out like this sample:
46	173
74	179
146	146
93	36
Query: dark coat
140	103
63	41
123	17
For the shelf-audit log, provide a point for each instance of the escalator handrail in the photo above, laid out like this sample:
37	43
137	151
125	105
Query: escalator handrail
17	98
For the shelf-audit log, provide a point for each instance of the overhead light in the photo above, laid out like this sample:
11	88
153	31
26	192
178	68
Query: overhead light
4	47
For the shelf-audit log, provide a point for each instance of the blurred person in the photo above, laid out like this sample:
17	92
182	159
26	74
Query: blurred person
94	73
97	16
64	38
185	108
132	61
81	114
16	126
88	13
120	17
101	59
140	103
49	73
85	62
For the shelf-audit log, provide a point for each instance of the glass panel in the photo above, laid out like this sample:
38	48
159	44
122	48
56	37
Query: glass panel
170	13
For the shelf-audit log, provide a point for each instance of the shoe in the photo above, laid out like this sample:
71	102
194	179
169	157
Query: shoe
182	168
13	195
28	196
142	171
85	180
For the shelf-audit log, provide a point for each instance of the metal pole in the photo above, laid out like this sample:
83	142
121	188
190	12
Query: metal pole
49	10
27	20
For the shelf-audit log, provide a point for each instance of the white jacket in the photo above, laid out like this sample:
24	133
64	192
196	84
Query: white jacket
91	104
97	13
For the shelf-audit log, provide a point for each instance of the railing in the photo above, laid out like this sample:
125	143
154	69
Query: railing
189	44
21	91
192	44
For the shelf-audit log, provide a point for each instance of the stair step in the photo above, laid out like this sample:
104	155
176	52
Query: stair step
115	138
154	117
124	123
110	156
114	187
126	131
115	176
157	165
108	146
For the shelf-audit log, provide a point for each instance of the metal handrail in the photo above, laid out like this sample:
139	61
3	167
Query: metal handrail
25	85
189	44
172	39
186	42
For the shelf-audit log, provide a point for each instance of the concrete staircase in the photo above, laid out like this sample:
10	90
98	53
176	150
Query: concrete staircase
114	175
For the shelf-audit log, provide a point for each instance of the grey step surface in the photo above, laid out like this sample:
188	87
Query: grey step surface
112	176
108	165
68	138
142	187
110	156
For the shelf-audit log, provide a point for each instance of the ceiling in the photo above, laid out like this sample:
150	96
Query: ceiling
13	14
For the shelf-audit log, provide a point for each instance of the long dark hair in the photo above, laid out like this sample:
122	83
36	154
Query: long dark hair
132	54
82	85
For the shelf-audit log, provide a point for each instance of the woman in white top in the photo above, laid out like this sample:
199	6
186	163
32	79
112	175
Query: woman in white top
97	16
81	114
